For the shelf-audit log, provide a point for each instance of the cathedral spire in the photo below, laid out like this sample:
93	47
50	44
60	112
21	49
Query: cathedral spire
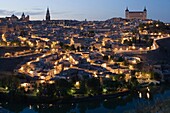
127	9
145	9
48	14
23	16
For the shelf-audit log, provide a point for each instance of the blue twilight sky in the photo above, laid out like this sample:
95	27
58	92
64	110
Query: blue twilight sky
84	9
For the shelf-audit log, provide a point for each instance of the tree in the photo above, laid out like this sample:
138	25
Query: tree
78	49
121	79
82	47
133	83
62	86
11	82
91	33
157	76
128	42
120	59
72	47
41	90
110	84
83	88
61	44
150	42
146	37
23	33
50	90
105	57
93	86
134	32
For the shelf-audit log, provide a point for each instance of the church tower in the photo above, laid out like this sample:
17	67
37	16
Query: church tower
23	16
145	13
48	15
127	13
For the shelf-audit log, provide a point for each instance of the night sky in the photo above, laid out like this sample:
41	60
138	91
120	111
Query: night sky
84	9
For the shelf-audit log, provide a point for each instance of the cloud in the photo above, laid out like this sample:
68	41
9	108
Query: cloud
37	9
79	14
7	12
33	12
39	13
30	13
60	13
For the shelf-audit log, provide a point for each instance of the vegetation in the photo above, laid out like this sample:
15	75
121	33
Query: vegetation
62	88
94	86
11	82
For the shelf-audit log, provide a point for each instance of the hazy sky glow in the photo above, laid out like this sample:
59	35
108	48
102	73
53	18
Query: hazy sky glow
84	9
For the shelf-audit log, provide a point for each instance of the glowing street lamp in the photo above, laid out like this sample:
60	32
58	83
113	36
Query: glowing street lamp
107	76
140	94
148	95
131	67
21	69
77	85
104	65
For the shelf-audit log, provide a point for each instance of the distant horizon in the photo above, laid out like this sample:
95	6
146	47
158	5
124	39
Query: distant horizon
96	10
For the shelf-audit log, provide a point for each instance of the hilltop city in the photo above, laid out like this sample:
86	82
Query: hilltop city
71	58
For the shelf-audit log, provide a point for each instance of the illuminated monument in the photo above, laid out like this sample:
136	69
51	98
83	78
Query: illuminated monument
136	14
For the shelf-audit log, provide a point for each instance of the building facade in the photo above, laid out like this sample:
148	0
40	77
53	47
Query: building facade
136	14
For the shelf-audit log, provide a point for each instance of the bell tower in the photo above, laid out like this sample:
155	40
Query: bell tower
48	15
145	13
127	13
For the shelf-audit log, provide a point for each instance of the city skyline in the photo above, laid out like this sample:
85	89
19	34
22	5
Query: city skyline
53	60
84	9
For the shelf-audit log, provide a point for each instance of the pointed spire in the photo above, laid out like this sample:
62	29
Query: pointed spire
127	9
145	9
48	14
48	11
23	14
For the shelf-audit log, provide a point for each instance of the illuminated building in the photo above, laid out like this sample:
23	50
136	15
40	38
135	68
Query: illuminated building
136	14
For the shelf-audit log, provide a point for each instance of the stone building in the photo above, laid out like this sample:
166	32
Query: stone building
136	14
